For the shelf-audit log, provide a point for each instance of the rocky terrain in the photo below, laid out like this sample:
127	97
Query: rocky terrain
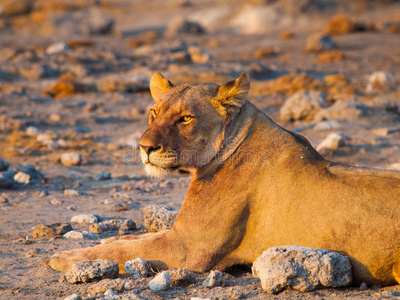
74	101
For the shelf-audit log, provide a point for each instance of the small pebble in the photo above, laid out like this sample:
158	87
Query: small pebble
84	219
72	192
102	175
22	178
214	279
55	202
363	286
136	268
73	297
71	159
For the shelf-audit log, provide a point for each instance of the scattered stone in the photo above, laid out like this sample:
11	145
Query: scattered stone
326	125
3	200
363	287
81	235
55	118
73	297
32	131
31	171
90	21
286	35
55	202
303	105
198	55
181	277
110	293
158	218
214	279
266	51
57	48
342	24
88	270
6	180
117	206
161	282
136	268
134	177
380	80
22	178
71	159
110	225
332	142
56	229
84	219
12	8
4	165
65	86
342	109
102	175
182	26
318	42
72	192
330	57
395	166
301	268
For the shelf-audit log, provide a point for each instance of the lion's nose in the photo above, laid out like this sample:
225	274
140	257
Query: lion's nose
149	148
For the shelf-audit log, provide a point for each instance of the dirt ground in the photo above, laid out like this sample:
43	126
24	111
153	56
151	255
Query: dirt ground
100	110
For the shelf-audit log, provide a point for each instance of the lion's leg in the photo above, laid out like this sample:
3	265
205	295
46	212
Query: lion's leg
133	237
158	248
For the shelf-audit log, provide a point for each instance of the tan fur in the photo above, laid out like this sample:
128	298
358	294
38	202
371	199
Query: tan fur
256	186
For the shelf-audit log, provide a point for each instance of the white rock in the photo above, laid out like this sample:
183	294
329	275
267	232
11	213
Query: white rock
214	279
161	282
198	55
136	268
71	159
73	297
22	178
110	293
379	80
325	125
72	192
33	131
57	48
301	268
303	105
84	219
343	109
395	166
45	138
333	141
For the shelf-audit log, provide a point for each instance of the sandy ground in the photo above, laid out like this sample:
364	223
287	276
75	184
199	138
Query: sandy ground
100	120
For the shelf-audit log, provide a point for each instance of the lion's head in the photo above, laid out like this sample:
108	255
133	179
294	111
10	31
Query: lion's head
188	123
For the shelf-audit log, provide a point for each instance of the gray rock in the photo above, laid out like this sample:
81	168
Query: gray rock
6	180
342	109
51	230
158	218
73	297
182	26
301	268
161	282
71	159
214	279
84	219
332	142
181	277
88	270
22	178
110	225
102	175
303	105
318	42
363	287
57	48
325	125
4	165
3	200
110	293
198	55
31	171
136	268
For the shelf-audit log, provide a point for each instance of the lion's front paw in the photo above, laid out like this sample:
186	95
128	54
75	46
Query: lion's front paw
61	261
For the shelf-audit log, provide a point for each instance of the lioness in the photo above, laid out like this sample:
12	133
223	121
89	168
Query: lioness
255	186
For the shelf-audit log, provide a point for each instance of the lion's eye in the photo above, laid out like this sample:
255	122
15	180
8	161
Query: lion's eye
154	113
186	119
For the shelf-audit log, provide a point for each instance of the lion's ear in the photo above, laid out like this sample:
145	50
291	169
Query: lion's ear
159	86
233	94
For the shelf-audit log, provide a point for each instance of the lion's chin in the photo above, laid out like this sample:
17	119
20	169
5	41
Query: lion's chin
156	171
